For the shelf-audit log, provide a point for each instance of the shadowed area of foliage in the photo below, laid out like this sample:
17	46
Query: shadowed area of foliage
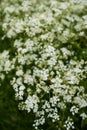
10	117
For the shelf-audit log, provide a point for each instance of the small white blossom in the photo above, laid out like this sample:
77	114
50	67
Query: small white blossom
19	72
83	115
69	124
74	110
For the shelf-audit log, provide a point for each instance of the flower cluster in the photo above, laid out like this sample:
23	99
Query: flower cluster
44	69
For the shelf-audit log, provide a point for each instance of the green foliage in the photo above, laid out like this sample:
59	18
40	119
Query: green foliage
11	118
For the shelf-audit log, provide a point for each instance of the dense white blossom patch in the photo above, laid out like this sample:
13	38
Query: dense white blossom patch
45	71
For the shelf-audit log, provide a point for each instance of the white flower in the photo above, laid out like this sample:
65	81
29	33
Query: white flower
64	5
15	87
19	26
21	88
69	124
74	110
65	51
80	101
83	115
19	72
54	100
28	79
32	103
11	33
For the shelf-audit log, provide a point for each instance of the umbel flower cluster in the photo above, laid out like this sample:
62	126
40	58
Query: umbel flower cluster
41	63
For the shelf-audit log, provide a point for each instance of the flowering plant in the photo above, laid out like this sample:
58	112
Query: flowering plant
41	61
